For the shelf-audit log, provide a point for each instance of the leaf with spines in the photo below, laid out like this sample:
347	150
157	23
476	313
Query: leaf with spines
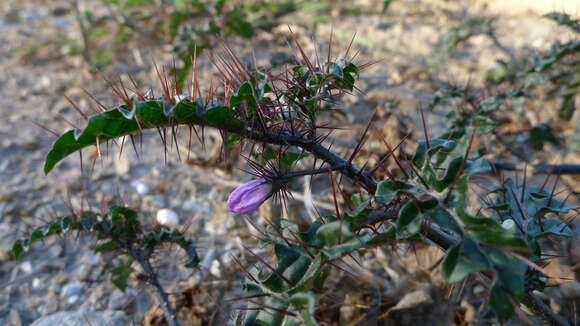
144	115
133	118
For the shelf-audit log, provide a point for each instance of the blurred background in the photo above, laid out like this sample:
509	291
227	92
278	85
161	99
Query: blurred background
421	50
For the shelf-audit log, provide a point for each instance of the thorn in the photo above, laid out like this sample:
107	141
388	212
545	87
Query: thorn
304	57
329	49
122	143
99	104
392	153
217	305
194	87
359	144
553	189
269	266
524	184
175	83
332	180
45	128
134	147
424	126
349	45
546	180
136	90
76	107
248	297
99	154
382	161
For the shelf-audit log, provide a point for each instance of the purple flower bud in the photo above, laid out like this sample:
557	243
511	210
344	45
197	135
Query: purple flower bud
249	197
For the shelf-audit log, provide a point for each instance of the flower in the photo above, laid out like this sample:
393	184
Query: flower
249	197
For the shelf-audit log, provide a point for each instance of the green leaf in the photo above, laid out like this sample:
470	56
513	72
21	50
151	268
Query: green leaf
549	227
512	280
500	303
387	190
122	121
121	275
270	316
450	261
436	145
455	268
361	209
491	103
330	234
409	213
305	304
107	246
442	217
485	124
568	106
18	249
292	265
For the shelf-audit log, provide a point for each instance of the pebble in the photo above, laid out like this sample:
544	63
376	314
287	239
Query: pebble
37	283
15	319
72	290
509	225
167	217
83	318
119	299
26	267
140	187
195	206
90	259
7	238
72	299
50	307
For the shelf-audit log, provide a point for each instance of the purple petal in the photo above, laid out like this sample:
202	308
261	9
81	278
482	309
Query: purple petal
249	197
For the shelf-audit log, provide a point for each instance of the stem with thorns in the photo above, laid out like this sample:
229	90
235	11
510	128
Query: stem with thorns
151	278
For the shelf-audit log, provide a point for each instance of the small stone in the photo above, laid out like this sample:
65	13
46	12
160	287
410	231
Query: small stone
83	272
72	289
50	307
122	165
82	318
61	22
140	187
197	207
478	290
509	225
37	283
90	259
15	319
119	299
26	267
56	250
167	217
215	269
72	299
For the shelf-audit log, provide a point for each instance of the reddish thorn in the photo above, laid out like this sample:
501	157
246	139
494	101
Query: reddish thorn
76	107
424	126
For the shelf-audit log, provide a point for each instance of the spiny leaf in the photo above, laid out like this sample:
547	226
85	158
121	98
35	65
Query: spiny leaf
123	121
305	303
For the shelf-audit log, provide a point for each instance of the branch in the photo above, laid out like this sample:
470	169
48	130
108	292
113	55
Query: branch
157	287
447	240
542	168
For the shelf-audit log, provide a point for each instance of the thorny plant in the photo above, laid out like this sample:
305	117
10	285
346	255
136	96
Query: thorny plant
512	86
278	119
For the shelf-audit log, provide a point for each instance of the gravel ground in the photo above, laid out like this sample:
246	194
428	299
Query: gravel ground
64	275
